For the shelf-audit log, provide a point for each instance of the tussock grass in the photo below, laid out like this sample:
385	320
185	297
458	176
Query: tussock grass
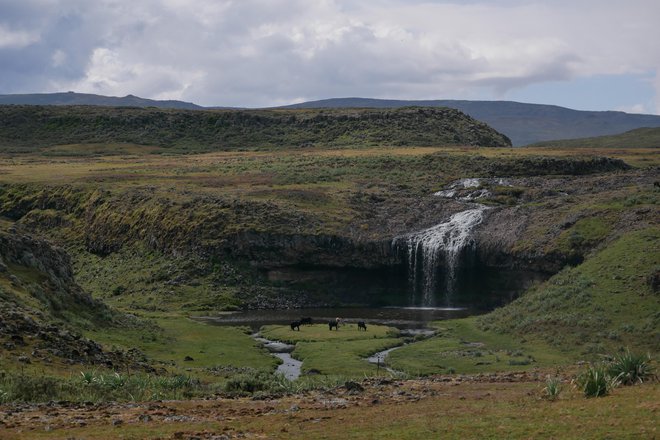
595	381
552	388
629	368
98	386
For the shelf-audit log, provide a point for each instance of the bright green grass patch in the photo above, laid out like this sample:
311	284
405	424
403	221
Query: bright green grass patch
209	346
343	358
460	347
320	332
336	353
585	233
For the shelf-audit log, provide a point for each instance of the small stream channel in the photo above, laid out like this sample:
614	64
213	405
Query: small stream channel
411	321
291	368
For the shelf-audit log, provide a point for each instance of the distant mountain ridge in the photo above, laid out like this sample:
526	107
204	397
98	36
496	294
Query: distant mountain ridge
73	98
648	137
523	123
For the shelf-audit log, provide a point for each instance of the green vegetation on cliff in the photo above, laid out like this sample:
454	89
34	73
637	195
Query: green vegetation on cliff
33	128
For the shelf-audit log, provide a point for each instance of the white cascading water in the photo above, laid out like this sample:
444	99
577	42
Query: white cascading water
425	247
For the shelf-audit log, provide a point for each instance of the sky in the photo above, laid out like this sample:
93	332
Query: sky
581	54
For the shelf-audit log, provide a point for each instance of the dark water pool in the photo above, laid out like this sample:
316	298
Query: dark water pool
400	317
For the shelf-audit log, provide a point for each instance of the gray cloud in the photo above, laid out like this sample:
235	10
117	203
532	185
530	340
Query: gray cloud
268	52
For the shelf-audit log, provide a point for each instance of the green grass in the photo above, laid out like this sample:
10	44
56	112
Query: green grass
98	386
209	346
320	332
586	233
336	353
136	278
604	304
461	347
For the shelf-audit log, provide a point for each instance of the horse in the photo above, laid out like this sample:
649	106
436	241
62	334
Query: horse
334	324
295	325
306	321
362	325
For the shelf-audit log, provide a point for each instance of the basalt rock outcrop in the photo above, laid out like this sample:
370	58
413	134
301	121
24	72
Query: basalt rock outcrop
524	235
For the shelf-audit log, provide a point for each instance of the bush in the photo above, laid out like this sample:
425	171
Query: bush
552	388
628	368
594	381
255	381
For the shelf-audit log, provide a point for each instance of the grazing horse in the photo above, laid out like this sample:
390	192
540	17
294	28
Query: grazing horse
362	326
307	321
334	324
295	325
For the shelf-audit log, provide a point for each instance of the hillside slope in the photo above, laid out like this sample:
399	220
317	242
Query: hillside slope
29	128
523	123
612	300
638	138
43	310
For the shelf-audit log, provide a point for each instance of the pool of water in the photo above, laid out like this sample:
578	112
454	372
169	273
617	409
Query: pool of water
399	317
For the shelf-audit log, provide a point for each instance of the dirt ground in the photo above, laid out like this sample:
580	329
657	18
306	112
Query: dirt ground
484	406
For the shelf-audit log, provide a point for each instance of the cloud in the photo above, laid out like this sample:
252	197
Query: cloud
268	52
16	39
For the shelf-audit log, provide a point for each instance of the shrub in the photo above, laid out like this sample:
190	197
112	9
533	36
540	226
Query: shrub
552	388
628	368
251	382
594	381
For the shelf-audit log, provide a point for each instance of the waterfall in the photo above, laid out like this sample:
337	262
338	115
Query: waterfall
425	247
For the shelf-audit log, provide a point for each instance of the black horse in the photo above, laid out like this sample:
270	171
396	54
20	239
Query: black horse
334	324
362	326
306	321
295	325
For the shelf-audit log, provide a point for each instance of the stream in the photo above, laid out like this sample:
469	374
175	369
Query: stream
292	368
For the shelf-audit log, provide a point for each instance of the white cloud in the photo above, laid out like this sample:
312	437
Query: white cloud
635	108
266	52
58	58
14	39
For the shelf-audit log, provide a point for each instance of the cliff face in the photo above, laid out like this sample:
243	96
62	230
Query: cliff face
540	214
